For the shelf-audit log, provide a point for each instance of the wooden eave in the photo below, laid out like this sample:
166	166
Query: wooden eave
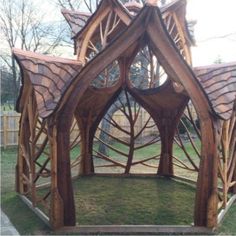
161	102
219	83
48	76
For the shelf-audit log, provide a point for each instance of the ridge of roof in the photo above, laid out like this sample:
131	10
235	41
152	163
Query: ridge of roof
133	5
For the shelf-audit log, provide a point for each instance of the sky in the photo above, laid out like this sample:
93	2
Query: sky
215	18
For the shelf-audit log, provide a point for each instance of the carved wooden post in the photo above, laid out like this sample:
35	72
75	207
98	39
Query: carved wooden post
86	165
232	152
22	170
206	196
56	210
167	124
167	137
63	209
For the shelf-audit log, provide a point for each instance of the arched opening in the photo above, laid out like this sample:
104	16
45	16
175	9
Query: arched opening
131	141
145	71
187	145
100	36
109	77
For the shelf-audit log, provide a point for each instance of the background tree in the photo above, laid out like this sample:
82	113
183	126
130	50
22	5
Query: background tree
23	26
6	87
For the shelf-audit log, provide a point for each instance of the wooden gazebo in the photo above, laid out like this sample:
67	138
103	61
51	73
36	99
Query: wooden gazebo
58	94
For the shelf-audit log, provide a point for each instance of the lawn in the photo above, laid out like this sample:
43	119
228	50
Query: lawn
131	201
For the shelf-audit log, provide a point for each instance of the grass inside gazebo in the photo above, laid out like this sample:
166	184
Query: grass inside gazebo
133	200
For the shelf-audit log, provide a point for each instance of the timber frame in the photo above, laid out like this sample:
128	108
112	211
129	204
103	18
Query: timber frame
58	95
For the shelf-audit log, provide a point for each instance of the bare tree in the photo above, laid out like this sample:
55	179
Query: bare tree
83	5
23	26
69	4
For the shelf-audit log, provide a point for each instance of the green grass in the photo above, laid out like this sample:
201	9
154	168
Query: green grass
8	164
103	200
228	226
7	107
25	221
133	200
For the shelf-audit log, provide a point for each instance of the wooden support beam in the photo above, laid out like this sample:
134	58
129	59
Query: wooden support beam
169	122
62	205
86	165
207	193
167	138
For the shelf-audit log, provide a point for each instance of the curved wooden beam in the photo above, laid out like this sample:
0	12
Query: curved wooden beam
206	196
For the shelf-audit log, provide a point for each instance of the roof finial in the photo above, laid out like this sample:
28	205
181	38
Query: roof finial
152	2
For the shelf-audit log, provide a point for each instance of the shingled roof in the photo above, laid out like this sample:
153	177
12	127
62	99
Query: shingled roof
219	83
75	19
49	76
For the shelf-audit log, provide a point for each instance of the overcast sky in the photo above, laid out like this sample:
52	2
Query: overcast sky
215	18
